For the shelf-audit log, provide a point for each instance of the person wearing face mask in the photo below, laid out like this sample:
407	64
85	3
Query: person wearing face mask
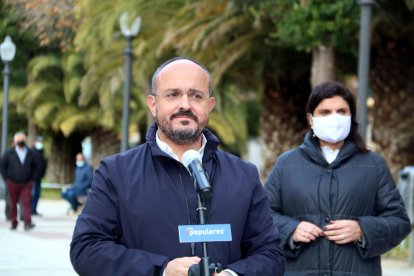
334	201
41	166
18	168
81	184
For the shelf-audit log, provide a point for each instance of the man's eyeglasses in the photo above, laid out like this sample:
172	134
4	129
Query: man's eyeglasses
175	96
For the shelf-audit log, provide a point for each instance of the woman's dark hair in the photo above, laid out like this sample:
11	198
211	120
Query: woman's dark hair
331	89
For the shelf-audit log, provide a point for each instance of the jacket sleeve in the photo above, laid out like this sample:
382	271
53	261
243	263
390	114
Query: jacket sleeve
40	165
96	247
286	224
390	225
3	166
36	165
261	251
87	178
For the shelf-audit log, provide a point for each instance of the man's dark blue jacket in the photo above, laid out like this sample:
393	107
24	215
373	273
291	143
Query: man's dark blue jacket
129	225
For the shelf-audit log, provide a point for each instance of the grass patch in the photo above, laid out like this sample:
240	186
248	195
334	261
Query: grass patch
50	193
400	252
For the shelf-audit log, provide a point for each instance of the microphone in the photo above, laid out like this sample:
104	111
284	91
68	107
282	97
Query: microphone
192	161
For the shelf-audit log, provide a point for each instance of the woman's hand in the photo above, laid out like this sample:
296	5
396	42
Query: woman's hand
306	232
343	231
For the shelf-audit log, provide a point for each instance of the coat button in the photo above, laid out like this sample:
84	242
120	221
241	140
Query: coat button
327	219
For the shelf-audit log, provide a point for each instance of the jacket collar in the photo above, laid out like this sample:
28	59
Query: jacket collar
210	149
311	149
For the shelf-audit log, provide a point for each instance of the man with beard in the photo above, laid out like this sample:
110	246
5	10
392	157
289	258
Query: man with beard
139	198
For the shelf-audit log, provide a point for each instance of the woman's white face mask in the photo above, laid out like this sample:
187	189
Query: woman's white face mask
332	128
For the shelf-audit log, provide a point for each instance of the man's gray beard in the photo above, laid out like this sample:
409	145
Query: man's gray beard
179	136
183	137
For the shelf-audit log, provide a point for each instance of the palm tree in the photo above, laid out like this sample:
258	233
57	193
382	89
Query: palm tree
232	38
99	39
104	77
220	34
26	47
50	98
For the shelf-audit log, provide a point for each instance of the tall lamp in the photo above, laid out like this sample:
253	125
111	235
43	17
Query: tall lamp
7	51
129	32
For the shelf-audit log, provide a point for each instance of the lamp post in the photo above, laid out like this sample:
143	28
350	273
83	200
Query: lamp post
7	51
363	63
129	32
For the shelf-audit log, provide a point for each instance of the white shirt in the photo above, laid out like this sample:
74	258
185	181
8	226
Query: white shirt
21	153
329	154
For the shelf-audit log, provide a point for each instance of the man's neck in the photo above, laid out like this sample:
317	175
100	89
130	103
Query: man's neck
179	150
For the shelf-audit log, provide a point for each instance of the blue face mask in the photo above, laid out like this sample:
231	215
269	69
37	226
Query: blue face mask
80	163
38	146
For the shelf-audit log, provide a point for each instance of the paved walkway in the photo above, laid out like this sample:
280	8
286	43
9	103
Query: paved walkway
44	251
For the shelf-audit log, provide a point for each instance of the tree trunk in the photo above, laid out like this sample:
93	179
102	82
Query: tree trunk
104	143
392	87
283	118
31	131
61	161
323	65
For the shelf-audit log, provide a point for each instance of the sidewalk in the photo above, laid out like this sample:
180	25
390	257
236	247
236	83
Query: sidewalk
44	251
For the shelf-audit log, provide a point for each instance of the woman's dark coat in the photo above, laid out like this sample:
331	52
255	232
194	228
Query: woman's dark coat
358	185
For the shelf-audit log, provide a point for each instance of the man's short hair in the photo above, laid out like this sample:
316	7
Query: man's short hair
162	66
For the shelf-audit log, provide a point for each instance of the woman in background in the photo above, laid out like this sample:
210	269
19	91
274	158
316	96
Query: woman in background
334	201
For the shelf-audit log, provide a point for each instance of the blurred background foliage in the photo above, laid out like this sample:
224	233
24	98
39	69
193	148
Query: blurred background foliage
265	56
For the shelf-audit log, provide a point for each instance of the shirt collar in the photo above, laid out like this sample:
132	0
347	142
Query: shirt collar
329	154
165	148
21	153
18	150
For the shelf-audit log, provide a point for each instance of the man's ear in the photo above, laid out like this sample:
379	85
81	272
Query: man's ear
212	103
151	102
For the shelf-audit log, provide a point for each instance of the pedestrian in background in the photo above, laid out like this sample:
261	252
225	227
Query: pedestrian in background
81	184
41	167
18	168
334	201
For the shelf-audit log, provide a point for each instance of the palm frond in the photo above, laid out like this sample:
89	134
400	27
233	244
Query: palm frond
44	66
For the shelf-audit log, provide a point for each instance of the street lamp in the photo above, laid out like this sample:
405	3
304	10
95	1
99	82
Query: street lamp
129	32
7	51
363	63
